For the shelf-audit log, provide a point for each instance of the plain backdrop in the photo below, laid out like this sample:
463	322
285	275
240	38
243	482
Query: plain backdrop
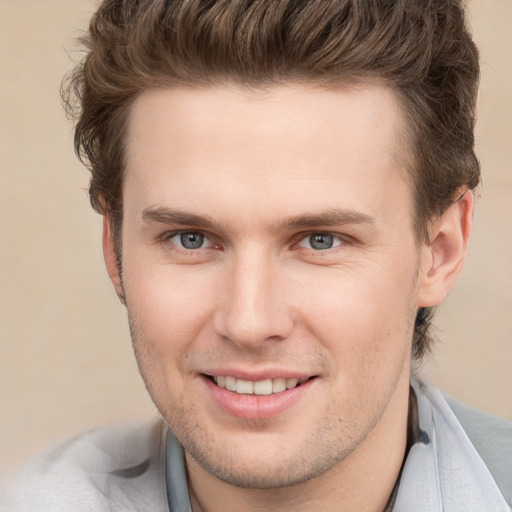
66	363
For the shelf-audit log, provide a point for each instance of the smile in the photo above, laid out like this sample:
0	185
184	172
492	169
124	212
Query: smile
260	387
257	399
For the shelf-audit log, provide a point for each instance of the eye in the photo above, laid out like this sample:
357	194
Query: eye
190	240
320	241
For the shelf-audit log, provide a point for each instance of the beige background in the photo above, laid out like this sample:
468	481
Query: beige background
65	356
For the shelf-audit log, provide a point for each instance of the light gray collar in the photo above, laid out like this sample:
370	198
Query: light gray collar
445	473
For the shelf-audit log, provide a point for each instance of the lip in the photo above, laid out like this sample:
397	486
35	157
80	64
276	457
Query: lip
256	407
255	376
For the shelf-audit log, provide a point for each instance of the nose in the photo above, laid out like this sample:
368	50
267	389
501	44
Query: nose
253	308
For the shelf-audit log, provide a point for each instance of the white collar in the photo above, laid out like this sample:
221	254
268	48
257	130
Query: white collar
444	473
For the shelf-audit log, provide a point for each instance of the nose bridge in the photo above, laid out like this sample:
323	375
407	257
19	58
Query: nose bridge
254	309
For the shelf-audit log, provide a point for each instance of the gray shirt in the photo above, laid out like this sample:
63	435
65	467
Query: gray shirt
127	468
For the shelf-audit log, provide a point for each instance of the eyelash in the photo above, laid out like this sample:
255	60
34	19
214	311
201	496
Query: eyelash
342	240
167	238
336	238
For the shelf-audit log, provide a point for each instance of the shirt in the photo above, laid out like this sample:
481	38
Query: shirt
130	468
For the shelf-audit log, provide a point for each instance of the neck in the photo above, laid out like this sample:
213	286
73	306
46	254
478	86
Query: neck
363	481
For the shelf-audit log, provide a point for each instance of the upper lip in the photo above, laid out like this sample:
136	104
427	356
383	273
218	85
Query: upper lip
257	375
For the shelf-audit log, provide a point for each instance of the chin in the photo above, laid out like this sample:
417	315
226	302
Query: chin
264	460
262	474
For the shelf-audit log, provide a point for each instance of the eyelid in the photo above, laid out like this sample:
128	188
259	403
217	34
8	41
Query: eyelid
341	238
344	239
169	235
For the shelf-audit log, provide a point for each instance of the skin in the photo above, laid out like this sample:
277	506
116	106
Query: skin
262	171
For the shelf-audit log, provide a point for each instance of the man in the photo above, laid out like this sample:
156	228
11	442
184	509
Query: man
286	188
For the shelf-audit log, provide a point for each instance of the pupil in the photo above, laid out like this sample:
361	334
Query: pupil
191	240
321	241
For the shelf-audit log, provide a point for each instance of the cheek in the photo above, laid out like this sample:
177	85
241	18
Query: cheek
170	305
168	313
364	318
353	302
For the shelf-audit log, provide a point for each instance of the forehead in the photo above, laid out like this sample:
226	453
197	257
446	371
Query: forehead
284	146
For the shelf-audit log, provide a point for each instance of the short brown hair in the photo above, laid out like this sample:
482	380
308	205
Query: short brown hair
420	48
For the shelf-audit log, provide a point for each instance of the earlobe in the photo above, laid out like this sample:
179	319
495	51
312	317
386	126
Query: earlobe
111	259
443	257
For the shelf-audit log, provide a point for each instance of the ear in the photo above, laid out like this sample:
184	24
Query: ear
110	257
443	257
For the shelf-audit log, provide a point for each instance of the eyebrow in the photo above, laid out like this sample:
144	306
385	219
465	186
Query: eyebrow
331	217
164	215
328	218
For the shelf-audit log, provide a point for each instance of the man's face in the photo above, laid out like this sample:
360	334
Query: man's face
268	239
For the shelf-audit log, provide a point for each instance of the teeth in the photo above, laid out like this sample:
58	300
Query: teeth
278	385
244	387
230	383
261	387
291	383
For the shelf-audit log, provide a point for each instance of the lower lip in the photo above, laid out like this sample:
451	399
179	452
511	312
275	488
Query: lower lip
256	407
